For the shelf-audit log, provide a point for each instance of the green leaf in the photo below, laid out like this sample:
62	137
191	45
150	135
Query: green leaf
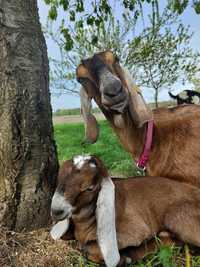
97	22
94	40
65	4
136	14
53	13
90	20
137	40
79	24
197	7
72	15
68	40
69	45
47	2
125	3
179	6
79	6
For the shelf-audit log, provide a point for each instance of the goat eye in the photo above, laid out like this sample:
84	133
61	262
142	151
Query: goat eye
116	59
81	80
90	188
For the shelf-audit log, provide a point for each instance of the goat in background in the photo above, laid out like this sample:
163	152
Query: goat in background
175	149
186	97
111	216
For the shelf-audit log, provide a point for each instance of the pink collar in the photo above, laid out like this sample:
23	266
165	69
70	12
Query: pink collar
144	157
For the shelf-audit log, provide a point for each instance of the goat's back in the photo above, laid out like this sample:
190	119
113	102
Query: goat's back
182	113
176	144
143	202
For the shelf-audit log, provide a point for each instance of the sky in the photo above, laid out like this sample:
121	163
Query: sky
67	101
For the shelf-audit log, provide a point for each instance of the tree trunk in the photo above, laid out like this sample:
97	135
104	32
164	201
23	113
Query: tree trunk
28	160
156	97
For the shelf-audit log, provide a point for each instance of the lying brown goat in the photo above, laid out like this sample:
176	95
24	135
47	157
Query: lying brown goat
176	138
144	207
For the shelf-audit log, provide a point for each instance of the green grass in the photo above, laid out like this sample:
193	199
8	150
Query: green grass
165	257
69	139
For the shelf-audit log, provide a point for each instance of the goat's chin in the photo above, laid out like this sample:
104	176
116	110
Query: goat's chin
119	121
59	229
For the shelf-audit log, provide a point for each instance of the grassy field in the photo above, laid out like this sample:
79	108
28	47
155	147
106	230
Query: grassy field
69	138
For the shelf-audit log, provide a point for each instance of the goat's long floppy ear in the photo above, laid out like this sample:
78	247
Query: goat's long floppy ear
139	110
59	229
90	122
106	229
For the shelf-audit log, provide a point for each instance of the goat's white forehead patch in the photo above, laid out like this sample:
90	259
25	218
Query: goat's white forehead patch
80	160
92	165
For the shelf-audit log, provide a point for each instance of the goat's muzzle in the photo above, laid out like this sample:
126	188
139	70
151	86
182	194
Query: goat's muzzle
60	208
113	95
61	211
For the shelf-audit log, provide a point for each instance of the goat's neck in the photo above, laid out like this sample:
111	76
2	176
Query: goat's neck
84	220
131	137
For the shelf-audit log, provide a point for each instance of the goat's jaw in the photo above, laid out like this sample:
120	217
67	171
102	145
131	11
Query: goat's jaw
60	204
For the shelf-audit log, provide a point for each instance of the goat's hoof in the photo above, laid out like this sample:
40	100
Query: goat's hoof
128	260
124	261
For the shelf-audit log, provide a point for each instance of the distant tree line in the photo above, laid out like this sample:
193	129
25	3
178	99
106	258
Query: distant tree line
73	111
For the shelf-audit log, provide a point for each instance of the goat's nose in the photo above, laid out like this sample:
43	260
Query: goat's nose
112	86
60	208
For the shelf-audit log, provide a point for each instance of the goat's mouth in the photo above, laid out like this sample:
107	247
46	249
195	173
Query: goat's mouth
61	212
61	224
59	215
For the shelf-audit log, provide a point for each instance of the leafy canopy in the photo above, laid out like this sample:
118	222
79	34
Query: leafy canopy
94	12
158	56
161	55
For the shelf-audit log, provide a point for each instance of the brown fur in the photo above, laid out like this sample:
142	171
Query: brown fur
145	206
176	142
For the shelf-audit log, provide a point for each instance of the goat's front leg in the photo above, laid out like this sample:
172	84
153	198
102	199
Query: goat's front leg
69	235
92	252
133	254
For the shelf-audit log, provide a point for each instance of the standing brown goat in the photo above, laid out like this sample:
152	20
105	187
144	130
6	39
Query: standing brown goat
176	139
144	207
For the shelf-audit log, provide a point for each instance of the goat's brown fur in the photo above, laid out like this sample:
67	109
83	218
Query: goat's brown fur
145	206
176	142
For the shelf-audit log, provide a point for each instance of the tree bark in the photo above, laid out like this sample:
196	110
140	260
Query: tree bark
156	97
28	159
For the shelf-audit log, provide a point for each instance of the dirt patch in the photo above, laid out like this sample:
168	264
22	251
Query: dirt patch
73	118
35	249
